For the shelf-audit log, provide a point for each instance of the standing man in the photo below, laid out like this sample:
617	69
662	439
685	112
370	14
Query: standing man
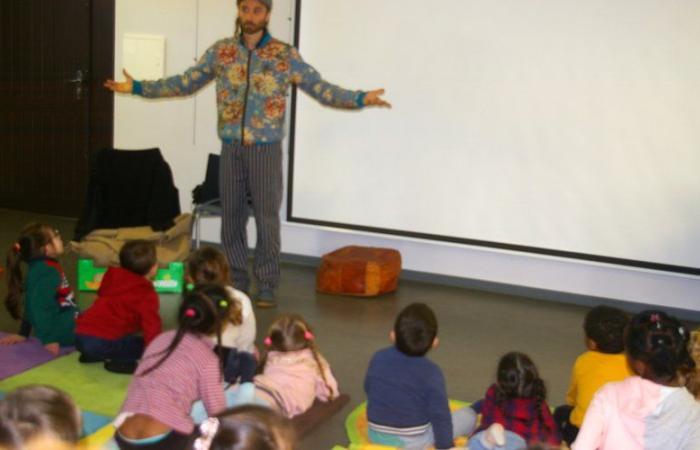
253	72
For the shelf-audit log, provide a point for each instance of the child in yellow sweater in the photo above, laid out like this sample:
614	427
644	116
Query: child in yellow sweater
604	362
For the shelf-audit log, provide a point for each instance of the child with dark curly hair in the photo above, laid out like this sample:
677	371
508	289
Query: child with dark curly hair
602	363
514	412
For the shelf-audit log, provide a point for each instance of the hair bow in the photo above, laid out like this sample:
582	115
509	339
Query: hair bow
308	335
190	312
207	430
267	341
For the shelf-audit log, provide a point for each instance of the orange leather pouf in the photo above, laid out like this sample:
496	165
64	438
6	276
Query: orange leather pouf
362	271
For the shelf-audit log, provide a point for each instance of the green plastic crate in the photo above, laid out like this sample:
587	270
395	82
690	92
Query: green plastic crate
170	279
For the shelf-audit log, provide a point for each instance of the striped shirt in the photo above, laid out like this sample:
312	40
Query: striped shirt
192	372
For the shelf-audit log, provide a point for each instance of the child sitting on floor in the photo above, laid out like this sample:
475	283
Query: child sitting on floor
514	412
49	307
178	368
38	417
604	362
652	410
208	265
407	403
126	303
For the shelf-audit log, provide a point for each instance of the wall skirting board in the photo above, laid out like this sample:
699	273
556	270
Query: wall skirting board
504	288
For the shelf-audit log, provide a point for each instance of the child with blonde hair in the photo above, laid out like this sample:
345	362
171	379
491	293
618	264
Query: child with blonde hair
293	373
209	265
44	300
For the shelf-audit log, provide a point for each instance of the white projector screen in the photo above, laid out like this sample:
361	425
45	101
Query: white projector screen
561	127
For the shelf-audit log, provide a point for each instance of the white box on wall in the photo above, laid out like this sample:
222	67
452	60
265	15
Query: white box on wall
144	56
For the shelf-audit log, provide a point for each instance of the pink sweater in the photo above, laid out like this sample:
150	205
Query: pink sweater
637	414
190	373
291	381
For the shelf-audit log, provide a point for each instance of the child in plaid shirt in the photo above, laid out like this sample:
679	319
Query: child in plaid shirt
514	412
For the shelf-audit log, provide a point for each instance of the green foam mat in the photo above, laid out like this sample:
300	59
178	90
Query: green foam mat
90	385
356	427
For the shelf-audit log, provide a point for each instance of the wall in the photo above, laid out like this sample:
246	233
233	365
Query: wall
184	129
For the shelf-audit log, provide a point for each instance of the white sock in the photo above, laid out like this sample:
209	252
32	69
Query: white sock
495	435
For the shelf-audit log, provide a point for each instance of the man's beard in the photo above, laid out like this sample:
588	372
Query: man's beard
252	28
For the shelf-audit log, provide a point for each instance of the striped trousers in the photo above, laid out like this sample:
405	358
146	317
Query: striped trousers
255	172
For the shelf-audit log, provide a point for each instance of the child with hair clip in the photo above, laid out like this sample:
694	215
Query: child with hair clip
651	410
292	371
208	265
178	368
247	427
514	412
38	417
48	307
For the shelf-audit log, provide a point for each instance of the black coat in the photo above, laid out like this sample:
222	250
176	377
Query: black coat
129	188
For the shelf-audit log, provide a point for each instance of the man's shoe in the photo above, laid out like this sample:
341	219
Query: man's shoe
265	298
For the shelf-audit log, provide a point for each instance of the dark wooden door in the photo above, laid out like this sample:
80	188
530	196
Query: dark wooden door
54	54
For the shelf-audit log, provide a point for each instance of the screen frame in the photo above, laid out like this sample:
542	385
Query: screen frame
290	217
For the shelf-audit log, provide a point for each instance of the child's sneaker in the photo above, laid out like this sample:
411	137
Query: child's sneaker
494	436
124	367
85	359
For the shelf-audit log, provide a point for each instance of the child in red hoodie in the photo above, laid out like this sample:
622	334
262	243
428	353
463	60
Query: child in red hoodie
126	304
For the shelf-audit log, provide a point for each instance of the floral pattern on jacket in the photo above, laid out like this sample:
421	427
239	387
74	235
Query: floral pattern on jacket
251	87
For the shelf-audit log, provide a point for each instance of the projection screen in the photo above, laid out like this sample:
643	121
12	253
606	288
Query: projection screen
558	127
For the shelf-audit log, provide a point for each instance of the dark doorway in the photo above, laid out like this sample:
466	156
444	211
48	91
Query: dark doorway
54	56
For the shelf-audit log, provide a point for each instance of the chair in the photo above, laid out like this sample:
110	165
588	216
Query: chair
128	188
205	198
130	195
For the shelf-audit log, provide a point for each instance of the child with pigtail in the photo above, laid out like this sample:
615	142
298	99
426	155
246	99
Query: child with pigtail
40	296
514	412
178	368
651	410
293	373
208	265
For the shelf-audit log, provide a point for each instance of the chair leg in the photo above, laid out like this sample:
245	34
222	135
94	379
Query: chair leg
195	229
